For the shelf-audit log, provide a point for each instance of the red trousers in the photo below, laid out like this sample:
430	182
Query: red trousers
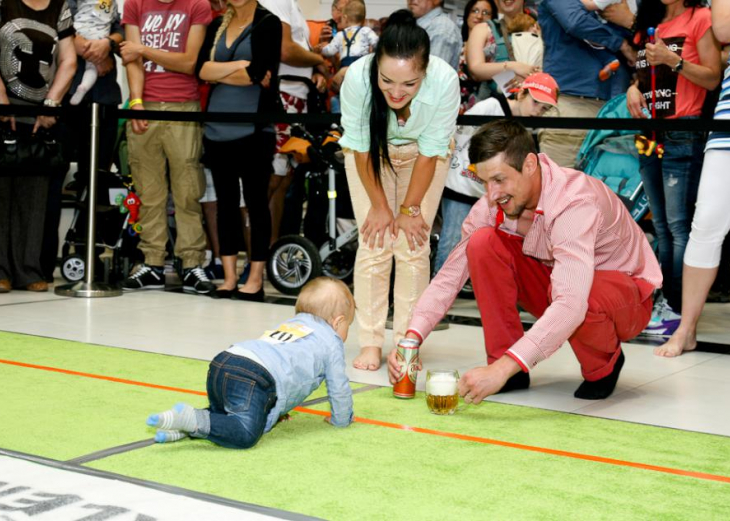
502	276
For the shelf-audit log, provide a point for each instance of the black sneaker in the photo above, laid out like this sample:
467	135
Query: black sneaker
146	277
196	281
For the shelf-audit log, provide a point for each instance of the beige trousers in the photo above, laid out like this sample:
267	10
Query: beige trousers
373	266
562	145
178	144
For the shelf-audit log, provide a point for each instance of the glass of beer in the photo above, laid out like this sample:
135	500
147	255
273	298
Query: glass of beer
442	395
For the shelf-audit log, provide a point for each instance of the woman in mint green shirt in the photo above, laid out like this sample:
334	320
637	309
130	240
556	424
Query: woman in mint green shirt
399	108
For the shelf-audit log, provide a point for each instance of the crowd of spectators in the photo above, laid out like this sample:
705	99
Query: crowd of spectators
555	57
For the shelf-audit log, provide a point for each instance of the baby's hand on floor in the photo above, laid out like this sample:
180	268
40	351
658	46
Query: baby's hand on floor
284	418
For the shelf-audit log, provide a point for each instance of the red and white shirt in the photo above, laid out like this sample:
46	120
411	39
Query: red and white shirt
165	26
580	226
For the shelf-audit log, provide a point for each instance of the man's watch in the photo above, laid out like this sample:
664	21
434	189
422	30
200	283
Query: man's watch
113	45
48	102
410	211
679	65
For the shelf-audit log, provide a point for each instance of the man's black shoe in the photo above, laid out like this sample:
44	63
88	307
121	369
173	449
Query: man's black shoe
196	281
601	389
146	277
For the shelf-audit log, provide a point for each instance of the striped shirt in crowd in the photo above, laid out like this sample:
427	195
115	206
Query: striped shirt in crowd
580	226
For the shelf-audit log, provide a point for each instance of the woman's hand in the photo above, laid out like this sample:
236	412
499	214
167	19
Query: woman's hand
522	69
659	54
619	14
43	122
635	102
415	228
378	222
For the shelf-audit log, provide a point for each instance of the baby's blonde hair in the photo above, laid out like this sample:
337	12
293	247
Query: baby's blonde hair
355	11
326	298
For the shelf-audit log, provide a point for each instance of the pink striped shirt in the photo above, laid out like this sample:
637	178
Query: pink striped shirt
580	226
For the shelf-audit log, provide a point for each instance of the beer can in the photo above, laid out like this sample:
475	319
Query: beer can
407	356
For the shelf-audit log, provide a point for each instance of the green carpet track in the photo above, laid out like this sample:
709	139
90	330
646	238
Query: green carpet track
364	471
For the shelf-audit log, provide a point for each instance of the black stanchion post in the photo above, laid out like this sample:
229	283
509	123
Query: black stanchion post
88	288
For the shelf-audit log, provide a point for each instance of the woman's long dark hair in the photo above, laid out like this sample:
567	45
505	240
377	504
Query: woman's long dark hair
467	10
652	12
402	39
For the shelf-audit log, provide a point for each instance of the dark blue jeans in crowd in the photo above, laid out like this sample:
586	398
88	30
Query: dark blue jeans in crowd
241	394
453	213
671	185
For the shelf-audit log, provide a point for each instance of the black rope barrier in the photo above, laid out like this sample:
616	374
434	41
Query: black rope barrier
637	125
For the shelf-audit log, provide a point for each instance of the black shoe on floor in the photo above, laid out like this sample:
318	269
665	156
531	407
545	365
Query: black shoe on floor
196	281
249	297
146	277
601	389
222	293
519	381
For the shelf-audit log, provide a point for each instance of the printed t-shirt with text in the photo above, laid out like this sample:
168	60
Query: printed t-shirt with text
166	26
676	96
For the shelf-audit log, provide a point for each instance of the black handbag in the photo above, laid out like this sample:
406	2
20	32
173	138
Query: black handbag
25	153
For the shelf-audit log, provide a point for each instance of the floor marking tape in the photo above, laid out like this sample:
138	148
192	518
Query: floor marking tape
112	451
59	299
452	435
102	377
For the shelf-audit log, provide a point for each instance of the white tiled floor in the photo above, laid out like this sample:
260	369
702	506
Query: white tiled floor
691	392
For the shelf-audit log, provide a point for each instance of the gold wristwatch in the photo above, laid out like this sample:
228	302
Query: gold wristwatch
410	211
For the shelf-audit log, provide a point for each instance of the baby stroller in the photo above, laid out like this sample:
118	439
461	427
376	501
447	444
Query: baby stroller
611	156
116	228
295	259
116	231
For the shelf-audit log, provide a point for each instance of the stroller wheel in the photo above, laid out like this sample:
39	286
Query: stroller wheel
73	268
294	261
340	264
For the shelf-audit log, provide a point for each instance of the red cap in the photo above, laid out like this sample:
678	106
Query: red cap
542	88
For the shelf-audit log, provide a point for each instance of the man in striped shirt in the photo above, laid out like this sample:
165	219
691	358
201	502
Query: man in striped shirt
561	245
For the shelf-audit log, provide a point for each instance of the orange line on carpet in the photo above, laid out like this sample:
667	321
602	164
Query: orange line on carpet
102	377
542	450
397	426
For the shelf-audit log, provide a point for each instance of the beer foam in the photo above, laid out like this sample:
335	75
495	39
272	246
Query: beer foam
441	385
